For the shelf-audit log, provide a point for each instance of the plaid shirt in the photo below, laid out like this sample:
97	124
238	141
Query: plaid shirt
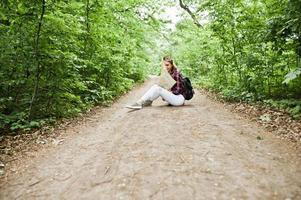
178	87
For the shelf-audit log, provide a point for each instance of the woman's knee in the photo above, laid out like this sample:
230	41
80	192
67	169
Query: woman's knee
157	87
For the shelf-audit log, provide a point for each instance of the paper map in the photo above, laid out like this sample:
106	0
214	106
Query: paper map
165	79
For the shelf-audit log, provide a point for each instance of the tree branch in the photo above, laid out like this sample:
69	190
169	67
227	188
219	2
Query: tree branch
186	8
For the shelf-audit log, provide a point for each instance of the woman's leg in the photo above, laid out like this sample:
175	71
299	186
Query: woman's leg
156	91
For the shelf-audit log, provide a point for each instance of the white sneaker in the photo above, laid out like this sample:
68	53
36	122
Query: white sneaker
134	106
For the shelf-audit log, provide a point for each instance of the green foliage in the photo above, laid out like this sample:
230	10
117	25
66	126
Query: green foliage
292	106
292	75
59	58
246	50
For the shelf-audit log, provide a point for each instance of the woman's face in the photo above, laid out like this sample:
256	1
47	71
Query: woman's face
167	65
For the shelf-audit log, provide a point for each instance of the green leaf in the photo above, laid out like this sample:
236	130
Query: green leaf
292	75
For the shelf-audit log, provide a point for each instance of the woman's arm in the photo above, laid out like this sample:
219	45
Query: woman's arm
177	89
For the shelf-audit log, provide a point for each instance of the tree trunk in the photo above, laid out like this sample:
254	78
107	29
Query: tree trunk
186	8
37	58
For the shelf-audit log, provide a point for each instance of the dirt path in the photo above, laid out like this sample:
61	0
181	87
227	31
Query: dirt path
198	151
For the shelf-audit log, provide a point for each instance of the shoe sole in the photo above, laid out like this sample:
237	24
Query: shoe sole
133	107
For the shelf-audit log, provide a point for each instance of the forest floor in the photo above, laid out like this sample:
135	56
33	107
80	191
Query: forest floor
198	151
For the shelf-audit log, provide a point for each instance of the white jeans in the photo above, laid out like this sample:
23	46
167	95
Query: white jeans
156	91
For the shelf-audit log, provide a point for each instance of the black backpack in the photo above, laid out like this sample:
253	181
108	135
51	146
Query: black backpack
189	92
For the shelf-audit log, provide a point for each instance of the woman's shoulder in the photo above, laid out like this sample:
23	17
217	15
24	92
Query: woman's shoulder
179	72
176	71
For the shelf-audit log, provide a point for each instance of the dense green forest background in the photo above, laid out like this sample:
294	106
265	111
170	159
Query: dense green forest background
59	58
247	50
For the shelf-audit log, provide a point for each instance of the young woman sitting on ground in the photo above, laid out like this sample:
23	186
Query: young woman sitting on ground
175	96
